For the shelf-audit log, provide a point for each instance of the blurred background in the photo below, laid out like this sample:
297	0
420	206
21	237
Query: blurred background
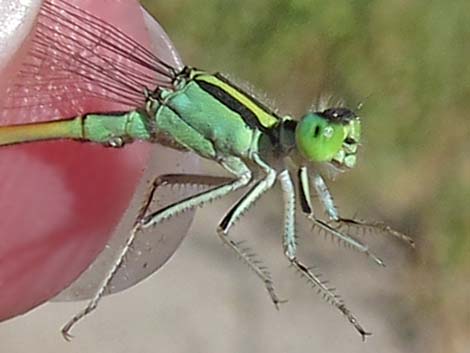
407	62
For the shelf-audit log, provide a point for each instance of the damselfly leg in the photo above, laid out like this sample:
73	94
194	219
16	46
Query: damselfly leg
245	254
327	201
290	250
160	181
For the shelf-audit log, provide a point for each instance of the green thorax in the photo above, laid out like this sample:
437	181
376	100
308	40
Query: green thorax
211	116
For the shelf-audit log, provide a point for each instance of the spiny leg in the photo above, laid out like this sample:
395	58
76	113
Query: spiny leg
307	209
260	187
233	165
169	179
178	179
377	225
330	208
290	250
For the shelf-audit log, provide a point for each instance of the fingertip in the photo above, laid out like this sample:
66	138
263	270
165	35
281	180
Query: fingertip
17	19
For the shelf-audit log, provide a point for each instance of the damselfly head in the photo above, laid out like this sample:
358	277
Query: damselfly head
331	135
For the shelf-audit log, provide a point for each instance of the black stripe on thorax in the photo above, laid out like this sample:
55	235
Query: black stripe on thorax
253	99
233	104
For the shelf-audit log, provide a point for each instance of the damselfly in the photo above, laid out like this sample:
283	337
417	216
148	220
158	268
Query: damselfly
191	110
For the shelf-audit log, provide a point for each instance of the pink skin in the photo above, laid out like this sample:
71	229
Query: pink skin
60	201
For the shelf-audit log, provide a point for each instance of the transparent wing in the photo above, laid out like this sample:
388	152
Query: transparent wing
76	57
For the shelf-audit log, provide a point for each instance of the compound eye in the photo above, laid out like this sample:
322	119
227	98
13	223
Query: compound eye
327	132
317	139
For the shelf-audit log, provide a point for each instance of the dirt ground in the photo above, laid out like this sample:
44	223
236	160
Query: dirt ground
206	300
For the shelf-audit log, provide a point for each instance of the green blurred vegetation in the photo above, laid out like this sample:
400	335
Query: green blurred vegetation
409	63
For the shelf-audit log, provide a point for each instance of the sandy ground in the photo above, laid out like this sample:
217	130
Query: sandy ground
206	300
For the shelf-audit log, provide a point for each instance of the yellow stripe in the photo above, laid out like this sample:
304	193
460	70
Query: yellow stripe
267	120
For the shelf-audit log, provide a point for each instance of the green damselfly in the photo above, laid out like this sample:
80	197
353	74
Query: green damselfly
206	114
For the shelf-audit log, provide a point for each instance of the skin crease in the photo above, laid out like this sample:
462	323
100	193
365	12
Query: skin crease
61	200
